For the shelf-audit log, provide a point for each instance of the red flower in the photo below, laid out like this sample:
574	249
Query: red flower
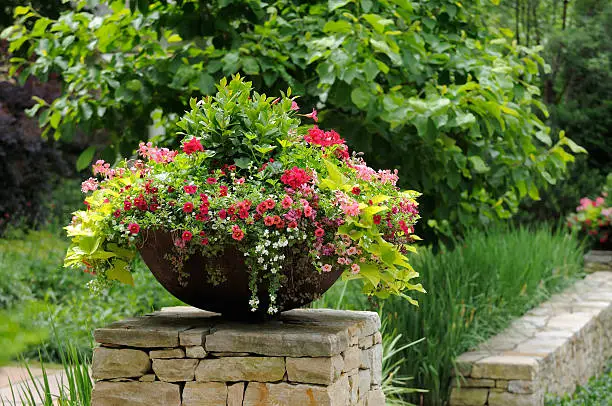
204	198
188	207
200	217
292	224
204	241
270	204
204	209
243	213
170	189
153	207
190	189
223	214
117	213
127	205
356	190
133	228
295	177
319	232
223	190
211	181
377	218
237	233
269	220
323	138
192	146
186	236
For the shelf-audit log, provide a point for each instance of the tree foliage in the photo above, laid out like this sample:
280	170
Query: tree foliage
424	86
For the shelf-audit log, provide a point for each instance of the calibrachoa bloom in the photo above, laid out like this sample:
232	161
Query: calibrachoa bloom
264	191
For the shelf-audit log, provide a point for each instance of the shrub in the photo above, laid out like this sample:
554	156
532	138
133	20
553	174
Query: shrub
424	86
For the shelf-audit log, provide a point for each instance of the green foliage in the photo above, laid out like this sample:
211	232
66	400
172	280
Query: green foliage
36	292
597	392
17	333
475	290
423	86
74	386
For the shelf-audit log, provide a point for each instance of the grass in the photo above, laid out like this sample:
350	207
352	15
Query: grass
597	392
474	291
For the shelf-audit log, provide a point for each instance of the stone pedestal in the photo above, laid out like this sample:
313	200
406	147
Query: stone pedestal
185	356
596	261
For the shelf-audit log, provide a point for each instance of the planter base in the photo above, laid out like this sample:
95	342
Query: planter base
185	356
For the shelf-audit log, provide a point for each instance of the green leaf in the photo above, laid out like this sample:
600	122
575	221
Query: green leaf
205	84
85	158
371	273
360	97
478	164
242	162
120	272
533	192
334	4
55	119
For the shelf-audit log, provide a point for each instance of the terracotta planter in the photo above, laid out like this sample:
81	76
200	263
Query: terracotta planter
221	283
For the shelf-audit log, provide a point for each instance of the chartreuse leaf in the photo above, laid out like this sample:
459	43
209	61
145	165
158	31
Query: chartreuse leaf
371	273
120	272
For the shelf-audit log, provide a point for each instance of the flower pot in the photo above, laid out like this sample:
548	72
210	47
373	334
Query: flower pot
220	283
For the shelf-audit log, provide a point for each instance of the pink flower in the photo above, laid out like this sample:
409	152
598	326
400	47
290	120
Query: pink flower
211	181
599	201
188	207
239	181
294	106
190	189
192	146
286	202
326	268
351	209
355	268
237	233
90	184
319	232
133	228
313	115
223	190
351	251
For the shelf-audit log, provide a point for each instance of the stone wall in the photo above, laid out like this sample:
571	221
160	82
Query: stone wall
596	261
184	356
551	349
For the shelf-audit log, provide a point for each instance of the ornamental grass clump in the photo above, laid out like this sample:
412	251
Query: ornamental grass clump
248	176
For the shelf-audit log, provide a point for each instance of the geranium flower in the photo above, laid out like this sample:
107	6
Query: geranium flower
295	177
192	146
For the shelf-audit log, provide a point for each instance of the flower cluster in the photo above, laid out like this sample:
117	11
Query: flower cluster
593	218
264	196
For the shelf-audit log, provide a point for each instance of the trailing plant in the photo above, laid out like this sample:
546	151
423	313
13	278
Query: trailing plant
424	86
247	176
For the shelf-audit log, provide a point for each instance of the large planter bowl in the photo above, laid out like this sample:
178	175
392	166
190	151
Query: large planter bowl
221	283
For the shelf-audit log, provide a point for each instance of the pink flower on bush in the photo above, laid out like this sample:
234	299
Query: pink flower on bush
326	268
190	189
355	268
294	106
89	185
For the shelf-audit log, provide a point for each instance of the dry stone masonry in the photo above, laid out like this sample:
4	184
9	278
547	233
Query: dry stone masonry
596	261
551	349
184	356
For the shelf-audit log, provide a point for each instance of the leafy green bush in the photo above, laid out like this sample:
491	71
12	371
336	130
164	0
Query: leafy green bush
474	291
424	86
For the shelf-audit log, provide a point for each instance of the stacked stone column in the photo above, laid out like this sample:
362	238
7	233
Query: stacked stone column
184	356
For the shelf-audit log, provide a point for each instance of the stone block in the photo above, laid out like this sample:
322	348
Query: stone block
468	396
352	358
464	362
194	336
377	338
320	370
229	354
175	370
513	399
197	351
366	342
143	332
375	361
519	386
283	393
147	378
291	340
365	381
233	369
235	394
375	397
360	322
507	367
473	383
136	394
109	363
501	384
167	353
205	393
353	379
